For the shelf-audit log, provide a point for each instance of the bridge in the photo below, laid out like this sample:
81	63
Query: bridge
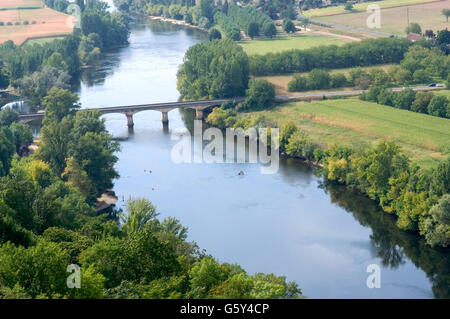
130	110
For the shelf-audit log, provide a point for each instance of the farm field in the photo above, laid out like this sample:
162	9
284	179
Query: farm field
394	20
289	42
281	81
13	4
423	137
360	7
49	23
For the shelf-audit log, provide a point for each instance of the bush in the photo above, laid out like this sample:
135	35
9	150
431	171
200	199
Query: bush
2	23
260	95
33	22
338	80
26	22
214	34
421	102
17	23
9	23
298	83
269	29
253	30
319	79
438	106
404	99
288	26
413	28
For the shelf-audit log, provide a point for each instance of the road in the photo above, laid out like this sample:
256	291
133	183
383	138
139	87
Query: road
347	93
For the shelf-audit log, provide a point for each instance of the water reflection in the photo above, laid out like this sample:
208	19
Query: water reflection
390	244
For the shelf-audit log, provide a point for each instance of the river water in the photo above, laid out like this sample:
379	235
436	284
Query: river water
290	223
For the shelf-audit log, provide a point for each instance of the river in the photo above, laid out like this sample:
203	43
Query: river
290	223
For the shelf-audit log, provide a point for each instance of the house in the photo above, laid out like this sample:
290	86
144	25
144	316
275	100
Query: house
413	36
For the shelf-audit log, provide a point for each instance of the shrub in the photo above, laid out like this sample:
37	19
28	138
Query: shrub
338	80
9	23
288	26
33	22
26	22
214	34
260	95
17	23
298	83
2	23
438	106
404	99
421	102
319	79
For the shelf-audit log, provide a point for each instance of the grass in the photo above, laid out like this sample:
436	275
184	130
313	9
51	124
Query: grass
359	7
288	43
443	92
49	23
425	138
395	21
281	81
42	40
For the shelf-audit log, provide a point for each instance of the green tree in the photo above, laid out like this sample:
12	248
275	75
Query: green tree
446	13
214	34
40	269
139	212
260	95
421	102
252	30
269	30
8	116
404	99
7	150
413	27
288	26
438	106
217	69
22	135
59	103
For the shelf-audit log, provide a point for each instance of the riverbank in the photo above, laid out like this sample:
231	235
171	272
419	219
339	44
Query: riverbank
177	22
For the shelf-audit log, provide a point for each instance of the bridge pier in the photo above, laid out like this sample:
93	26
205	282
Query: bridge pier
199	114
129	116
165	117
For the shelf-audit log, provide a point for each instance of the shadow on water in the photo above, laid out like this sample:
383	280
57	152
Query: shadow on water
391	244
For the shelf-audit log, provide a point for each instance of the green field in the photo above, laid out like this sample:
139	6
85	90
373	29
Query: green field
359	7
425	138
395	20
42	40
288	43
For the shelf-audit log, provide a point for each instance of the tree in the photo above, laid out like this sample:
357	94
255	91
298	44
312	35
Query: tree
446	13
40	270
7	150
214	34
404	99
59	103
253	30
22	135
438	106
319	79
76	177
413	27
421	102
225	7
139	212
298	83
37	85
217	69
260	95
348	6
288	26
437	227
207	9
8	116
269	29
